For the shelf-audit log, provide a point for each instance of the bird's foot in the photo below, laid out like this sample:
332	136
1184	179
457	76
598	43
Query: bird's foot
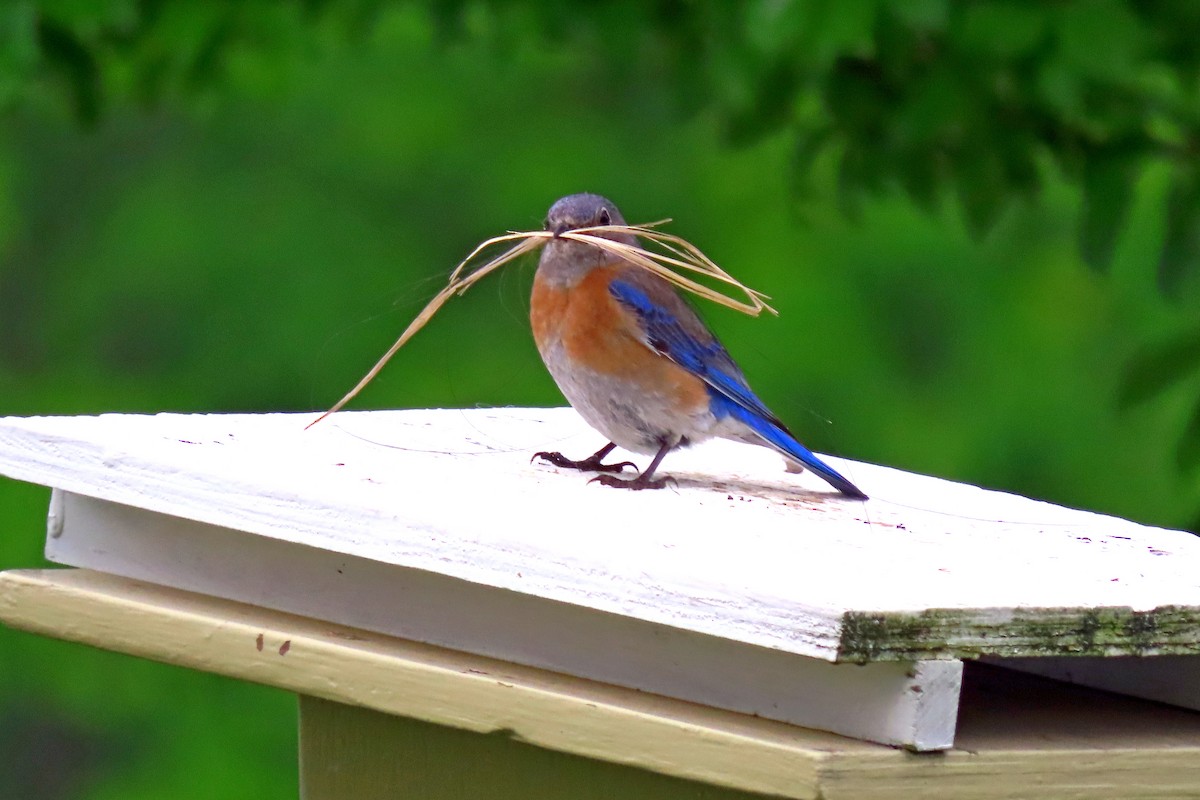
640	482
589	464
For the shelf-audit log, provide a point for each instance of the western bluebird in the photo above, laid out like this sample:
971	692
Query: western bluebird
636	361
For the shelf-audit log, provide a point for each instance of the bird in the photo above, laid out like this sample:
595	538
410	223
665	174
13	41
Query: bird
635	359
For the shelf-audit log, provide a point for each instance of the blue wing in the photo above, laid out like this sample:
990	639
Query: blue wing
674	330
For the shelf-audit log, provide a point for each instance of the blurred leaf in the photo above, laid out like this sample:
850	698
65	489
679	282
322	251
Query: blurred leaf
919	175
1019	164
1181	245
1187	456
809	145
840	28
982	190
859	174
18	49
1003	30
1099	39
858	98
927	14
1108	180
932	109
68	56
1157	369
768	109
205	64
772	28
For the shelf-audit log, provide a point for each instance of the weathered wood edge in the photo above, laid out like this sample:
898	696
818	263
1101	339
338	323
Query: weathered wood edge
562	713
941	633
396	676
875	702
1122	772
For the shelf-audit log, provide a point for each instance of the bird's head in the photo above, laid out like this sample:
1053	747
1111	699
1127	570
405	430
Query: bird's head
577	211
582	211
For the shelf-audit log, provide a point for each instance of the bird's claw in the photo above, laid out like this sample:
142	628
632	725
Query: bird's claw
640	482
589	464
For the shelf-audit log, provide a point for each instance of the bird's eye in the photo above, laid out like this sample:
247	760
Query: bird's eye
604	217
546	224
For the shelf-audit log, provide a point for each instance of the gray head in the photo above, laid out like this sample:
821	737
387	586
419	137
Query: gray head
580	211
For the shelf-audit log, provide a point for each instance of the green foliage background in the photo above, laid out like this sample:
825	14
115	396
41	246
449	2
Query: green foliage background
978	220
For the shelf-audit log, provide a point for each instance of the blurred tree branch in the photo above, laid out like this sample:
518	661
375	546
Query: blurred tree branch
925	95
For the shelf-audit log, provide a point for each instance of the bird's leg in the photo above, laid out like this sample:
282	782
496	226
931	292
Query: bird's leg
643	481
593	463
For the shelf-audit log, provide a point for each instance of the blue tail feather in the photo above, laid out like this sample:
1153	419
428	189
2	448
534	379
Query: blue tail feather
774	434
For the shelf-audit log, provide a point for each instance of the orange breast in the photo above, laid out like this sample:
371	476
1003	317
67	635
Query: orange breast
599	334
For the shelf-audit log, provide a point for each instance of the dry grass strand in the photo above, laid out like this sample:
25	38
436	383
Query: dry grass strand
679	253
